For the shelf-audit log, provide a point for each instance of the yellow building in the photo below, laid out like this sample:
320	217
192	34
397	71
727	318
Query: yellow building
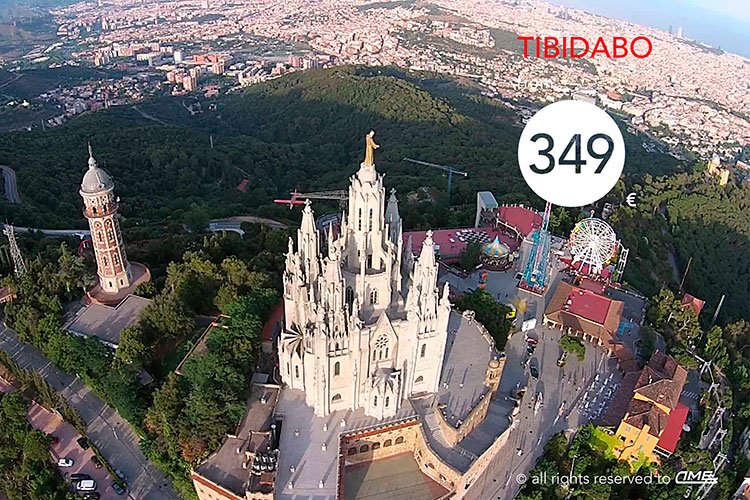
647	411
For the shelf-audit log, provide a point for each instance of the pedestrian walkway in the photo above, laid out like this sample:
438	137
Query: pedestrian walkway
110	433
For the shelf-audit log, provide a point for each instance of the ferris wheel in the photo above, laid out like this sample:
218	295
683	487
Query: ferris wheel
593	243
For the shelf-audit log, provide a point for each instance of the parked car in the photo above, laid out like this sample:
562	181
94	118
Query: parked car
119	474
564	358
534	371
97	463
65	462
86	485
118	489
83	442
91	495
79	476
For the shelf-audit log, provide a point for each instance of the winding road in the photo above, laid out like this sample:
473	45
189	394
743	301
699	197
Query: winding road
113	435
9	182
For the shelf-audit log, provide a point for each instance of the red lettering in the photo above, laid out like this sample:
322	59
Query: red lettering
525	44
572	47
632	47
547	47
537	47
603	49
622	46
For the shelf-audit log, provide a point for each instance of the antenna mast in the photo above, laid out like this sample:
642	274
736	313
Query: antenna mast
15	252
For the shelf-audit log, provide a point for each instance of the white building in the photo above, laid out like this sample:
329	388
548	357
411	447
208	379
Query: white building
365	325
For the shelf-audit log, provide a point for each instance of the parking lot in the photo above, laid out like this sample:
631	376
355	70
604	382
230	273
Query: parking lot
67	447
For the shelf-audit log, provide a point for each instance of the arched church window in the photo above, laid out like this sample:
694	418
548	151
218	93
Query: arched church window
352	451
381	346
419	379
93	210
423	351
359	220
110	234
369	225
337	368
335	398
296	371
349	297
399	439
364	448
288	369
99	236
374	296
338	347
104	260
116	259
387	401
387	443
375	446
375	401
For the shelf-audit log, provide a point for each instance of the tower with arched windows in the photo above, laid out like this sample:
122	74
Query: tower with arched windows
100	208
364	327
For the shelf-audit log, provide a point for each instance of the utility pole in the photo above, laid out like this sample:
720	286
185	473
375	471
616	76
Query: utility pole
684	275
15	253
718	309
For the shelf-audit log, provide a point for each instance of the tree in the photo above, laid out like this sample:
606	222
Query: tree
132	348
167	315
489	313
469	256
145	289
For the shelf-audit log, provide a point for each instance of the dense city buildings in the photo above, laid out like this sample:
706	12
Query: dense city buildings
679	94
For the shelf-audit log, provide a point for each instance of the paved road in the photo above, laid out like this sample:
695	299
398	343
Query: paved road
110	433
9	181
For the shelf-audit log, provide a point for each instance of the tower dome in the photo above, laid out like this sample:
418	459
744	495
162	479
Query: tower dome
95	180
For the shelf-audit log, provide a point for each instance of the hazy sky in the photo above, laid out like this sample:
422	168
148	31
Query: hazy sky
724	23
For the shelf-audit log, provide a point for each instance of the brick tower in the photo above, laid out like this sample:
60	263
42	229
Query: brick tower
100	208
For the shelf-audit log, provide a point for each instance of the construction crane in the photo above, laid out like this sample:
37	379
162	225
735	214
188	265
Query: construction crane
297	198
447	168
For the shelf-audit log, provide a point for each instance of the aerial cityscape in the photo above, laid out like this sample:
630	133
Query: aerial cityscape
283	250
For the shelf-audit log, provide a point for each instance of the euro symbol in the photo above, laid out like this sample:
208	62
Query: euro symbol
630	200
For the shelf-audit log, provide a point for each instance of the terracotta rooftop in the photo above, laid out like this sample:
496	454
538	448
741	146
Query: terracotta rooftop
586	311
642	413
670	436
662	380
524	220
694	302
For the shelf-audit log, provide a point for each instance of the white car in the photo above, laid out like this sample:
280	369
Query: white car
65	462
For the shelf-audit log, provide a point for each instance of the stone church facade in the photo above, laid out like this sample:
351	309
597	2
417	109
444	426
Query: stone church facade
365	324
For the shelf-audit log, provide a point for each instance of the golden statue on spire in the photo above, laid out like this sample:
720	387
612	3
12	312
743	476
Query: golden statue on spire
370	148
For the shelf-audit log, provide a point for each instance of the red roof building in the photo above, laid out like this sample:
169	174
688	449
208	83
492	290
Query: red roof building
694	302
578	311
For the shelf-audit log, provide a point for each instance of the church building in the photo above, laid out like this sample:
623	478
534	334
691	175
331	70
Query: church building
365	325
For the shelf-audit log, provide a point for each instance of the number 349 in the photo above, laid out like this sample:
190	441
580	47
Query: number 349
575	144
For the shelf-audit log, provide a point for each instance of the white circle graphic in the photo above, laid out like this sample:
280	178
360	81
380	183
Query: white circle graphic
571	153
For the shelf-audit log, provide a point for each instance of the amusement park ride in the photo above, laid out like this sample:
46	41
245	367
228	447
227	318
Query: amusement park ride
593	246
536	272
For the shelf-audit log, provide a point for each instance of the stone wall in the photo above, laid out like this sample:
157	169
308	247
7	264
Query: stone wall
476	416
